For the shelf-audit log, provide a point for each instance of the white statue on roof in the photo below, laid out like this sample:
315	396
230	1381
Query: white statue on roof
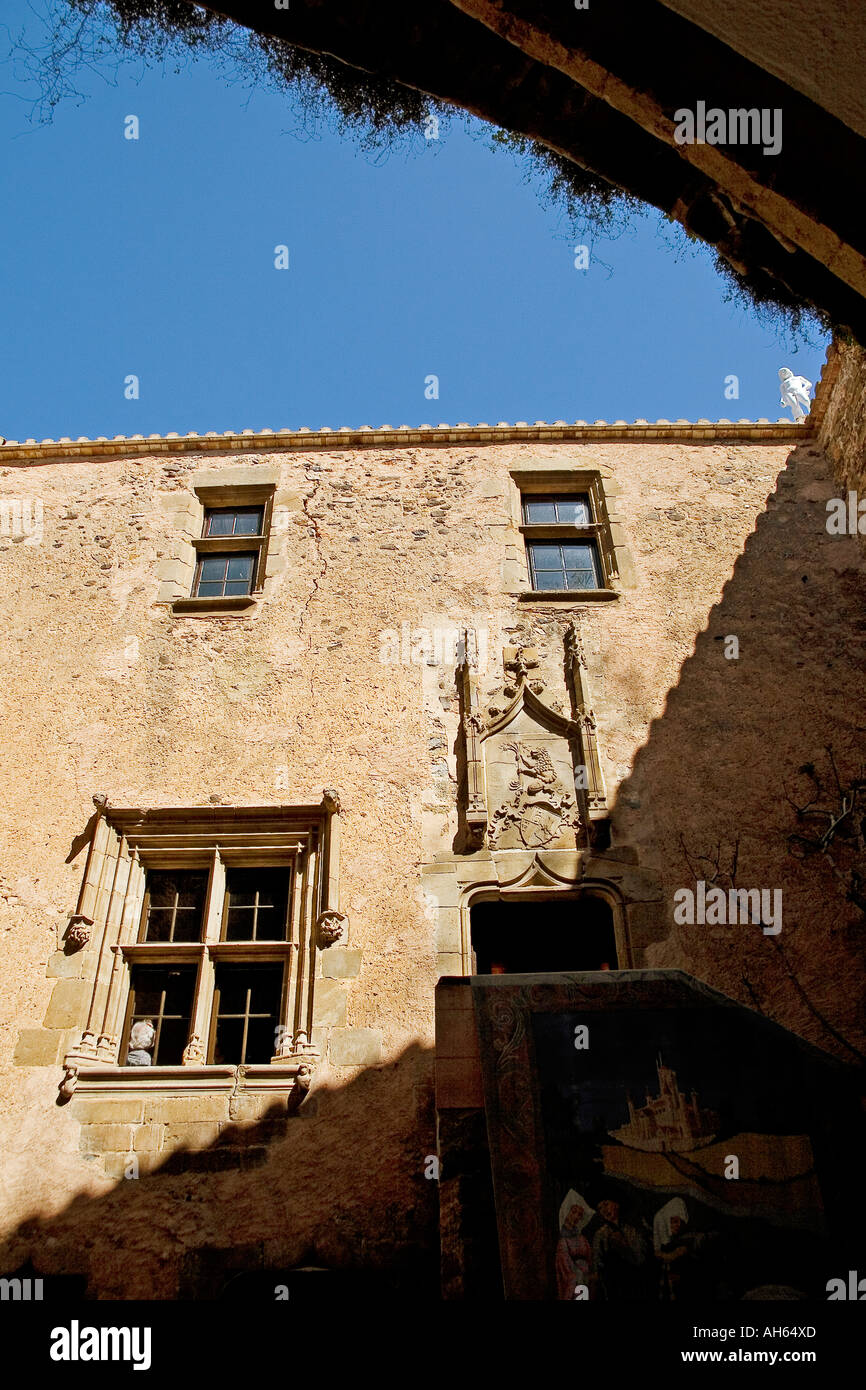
795	393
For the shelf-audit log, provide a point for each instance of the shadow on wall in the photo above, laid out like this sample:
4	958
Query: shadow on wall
329	1198
707	794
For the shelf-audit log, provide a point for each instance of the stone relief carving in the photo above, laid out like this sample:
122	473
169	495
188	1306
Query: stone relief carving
541	808
193	1053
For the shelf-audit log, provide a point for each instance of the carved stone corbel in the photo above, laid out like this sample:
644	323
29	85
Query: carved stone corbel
68	1084
330	927
78	930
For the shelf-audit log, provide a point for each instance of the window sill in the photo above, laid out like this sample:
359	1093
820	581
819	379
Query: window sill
567	595
212	607
108	1081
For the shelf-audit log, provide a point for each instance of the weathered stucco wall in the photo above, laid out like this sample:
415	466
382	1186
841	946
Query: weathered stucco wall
107	691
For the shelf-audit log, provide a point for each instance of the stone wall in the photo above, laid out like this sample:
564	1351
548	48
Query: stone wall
110	693
841	412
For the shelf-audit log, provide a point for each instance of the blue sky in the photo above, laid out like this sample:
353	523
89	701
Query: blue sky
155	257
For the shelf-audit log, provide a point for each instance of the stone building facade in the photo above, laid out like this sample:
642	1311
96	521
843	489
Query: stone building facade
426	702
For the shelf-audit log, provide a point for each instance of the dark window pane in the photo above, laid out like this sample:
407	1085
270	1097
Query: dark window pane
562	509
240	923
161	1005
225	575
233	987
160	921
175	904
220	524
260	1040
256	904
228	1044
247	1003
162	888
173	1038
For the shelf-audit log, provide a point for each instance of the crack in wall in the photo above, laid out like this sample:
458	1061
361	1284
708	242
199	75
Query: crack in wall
315	484
317	536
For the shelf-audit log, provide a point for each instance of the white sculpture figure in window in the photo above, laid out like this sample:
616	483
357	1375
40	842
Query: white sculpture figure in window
795	393
141	1040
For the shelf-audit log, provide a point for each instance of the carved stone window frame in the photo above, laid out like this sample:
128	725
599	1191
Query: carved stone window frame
550	482
124	844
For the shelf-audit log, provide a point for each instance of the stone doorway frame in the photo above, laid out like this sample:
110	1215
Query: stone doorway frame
634	895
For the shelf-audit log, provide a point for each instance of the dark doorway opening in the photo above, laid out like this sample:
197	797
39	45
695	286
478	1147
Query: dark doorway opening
533	936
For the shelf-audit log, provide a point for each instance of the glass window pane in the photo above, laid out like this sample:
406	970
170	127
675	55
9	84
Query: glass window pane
539	511
550	579
219	523
249	523
232	985
257	904
210	590
240	567
579	579
546	557
266	985
236	587
173	1038
213	567
159	924
577	556
573	510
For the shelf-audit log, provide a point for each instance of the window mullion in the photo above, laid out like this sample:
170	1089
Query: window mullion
199	1028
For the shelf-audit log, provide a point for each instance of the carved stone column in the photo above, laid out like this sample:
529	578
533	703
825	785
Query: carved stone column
584	716
473	726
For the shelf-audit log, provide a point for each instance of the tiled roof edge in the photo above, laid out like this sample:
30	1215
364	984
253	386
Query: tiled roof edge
269	441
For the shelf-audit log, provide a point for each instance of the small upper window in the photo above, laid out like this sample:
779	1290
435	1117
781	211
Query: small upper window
566	509
562	547
232	550
226	521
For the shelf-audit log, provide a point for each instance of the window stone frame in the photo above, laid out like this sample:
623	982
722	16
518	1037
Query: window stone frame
605	529
126	842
